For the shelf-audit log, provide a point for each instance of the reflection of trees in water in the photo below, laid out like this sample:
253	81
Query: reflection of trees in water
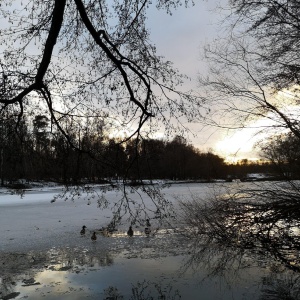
13	267
24	267
281	286
16	267
254	226
145	290
7	286
215	260
260	220
112	293
277	282
69	258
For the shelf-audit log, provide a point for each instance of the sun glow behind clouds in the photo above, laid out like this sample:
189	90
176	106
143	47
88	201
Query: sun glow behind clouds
236	146
241	143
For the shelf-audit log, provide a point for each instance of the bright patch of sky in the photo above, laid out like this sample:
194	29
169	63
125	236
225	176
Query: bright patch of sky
240	144
180	38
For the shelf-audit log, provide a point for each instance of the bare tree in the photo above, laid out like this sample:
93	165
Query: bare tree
283	151
69	57
253	82
86	59
238	94
260	219
275	25
254	70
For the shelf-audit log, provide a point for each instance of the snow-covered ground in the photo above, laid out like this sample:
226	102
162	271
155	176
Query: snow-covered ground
32	220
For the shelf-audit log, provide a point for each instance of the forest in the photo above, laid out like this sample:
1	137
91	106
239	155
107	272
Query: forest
36	151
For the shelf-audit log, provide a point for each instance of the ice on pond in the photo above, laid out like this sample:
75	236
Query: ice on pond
44	256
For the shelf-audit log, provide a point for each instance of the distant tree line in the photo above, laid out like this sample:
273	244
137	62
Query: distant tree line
244	168
33	150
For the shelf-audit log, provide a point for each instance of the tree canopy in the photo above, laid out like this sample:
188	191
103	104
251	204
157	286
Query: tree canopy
89	68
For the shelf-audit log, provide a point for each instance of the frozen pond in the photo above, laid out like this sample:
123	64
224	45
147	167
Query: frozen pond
43	255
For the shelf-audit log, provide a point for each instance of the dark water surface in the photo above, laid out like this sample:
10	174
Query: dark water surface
128	268
147	276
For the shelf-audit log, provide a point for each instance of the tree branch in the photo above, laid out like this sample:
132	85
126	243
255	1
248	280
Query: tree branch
118	62
57	19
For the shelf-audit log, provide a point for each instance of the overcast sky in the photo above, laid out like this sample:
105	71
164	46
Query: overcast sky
180	38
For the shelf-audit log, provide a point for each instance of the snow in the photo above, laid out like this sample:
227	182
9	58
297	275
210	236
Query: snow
32	220
41	243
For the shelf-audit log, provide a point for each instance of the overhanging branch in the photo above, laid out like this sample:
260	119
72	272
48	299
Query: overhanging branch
117	61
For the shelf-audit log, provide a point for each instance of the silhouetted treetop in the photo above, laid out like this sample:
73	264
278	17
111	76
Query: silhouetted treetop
69	57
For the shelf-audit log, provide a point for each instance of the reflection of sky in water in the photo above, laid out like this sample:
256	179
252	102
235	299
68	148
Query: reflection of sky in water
90	282
80	269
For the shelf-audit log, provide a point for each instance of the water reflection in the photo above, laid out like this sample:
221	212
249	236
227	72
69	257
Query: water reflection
78	273
100	273
239	223
280	285
144	290
26	270
275	280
